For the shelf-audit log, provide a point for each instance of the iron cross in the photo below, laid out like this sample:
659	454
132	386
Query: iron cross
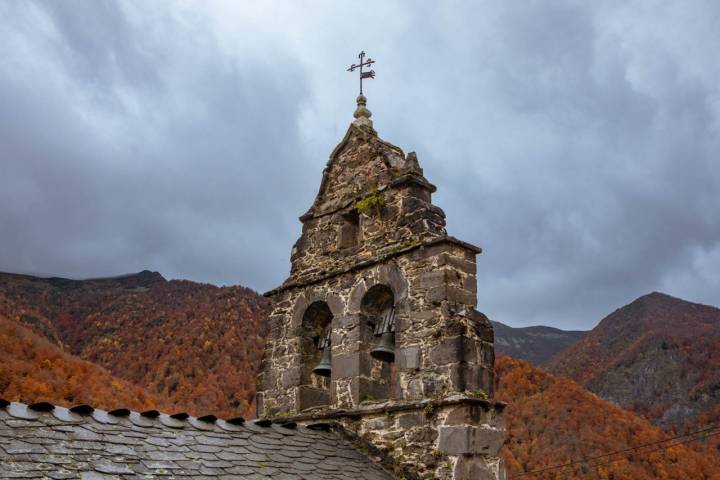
369	74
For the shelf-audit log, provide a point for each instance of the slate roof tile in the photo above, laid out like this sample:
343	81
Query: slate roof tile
91	444
105	466
62	475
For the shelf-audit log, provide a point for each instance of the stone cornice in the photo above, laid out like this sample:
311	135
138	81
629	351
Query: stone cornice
413	178
390	407
373	261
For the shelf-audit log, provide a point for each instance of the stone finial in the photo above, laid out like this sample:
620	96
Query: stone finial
362	114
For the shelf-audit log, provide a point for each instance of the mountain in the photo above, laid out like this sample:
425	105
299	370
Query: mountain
196	345
658	356
34	369
534	344
552	420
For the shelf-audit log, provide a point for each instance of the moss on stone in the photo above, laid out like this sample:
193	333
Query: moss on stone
372	202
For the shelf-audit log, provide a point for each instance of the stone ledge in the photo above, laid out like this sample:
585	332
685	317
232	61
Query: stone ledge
373	261
389	407
413	179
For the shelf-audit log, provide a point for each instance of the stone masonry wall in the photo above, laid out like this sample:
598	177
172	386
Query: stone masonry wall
443	345
338	232
374	243
458	438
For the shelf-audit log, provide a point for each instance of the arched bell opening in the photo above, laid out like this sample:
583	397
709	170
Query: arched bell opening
377	335
316	350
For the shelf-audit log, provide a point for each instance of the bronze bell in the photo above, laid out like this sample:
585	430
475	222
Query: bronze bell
385	349
323	368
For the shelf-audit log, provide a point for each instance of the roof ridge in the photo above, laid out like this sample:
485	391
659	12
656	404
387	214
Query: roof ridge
76	413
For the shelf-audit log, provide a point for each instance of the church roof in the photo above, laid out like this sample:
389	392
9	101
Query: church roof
46	441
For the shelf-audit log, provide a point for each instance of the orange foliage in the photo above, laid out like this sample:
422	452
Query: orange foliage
197	345
33	370
553	420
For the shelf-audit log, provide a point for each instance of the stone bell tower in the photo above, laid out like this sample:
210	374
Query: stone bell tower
375	329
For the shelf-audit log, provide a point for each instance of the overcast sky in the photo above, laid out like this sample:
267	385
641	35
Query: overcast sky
578	143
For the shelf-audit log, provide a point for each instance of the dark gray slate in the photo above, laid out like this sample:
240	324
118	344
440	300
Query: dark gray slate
61	444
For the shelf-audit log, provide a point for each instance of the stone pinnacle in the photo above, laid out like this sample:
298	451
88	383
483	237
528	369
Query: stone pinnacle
362	114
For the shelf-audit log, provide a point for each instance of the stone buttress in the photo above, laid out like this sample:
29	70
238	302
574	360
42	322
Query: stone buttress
375	329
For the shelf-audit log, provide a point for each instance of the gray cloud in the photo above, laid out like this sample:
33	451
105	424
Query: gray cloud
577	144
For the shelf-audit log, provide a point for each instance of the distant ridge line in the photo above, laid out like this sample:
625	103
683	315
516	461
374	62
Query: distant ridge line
47	276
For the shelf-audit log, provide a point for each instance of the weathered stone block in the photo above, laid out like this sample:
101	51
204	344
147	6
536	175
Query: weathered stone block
414	390
456	440
410	420
433	279
346	321
412	204
473	414
460	295
472	378
459	262
375	424
308	397
290	377
488	379
345	339
402	323
469	283
346	365
425	435
482	326
409	358
391	275
424	253
433	386
450	350
366	389
437	295
487	354
478	468
470	440
421	193
452	294
348	236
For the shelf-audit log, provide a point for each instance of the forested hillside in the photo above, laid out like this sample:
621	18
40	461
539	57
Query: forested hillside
658	356
553	421
33	370
196	345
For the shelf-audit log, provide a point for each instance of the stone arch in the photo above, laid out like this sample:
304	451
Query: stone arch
376	300
315	326
389	275
333	301
377	305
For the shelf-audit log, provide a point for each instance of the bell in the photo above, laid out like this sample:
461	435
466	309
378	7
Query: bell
385	349
323	368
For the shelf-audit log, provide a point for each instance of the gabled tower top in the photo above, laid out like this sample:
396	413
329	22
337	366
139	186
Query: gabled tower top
376	327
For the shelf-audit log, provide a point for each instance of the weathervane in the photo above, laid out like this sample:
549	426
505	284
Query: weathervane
368	74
